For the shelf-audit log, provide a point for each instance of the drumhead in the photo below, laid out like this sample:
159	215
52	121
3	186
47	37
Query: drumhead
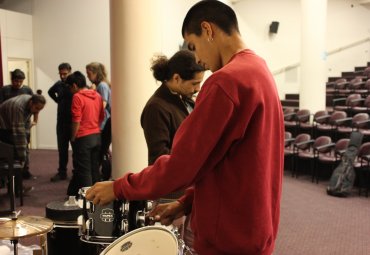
150	240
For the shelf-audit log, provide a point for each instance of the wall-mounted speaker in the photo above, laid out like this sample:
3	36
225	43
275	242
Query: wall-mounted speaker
274	26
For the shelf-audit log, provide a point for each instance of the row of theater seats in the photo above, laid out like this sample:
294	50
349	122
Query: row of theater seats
336	124
321	154
341	87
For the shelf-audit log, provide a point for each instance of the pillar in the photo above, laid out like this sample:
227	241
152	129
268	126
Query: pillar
313	55
135	37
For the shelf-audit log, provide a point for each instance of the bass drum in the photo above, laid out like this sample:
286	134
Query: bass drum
150	240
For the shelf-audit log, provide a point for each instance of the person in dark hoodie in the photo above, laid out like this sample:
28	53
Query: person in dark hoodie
87	115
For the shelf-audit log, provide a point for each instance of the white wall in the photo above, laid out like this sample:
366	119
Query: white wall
66	31
78	32
16	38
345	25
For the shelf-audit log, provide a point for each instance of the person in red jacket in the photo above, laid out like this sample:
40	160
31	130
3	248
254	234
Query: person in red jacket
87	115
228	153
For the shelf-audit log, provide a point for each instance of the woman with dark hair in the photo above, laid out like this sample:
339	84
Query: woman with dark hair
171	103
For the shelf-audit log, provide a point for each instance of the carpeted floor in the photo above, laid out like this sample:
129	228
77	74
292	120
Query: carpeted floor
312	223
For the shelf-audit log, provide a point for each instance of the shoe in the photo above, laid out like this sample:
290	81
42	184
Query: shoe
27	190
28	176
58	177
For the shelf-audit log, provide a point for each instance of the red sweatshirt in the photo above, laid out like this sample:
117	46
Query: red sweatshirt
231	150
87	109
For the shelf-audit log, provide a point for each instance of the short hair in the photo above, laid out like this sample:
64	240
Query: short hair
38	99
212	11
183	63
76	78
17	74
66	66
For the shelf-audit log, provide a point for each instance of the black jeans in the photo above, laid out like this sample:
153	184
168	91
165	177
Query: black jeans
85	156
106	140
63	138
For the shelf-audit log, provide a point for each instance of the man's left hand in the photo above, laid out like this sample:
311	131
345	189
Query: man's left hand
101	193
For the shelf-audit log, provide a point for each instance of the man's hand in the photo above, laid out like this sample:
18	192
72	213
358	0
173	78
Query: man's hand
101	193
167	213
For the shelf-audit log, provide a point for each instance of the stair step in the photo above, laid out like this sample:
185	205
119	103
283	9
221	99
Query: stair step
290	102
292	96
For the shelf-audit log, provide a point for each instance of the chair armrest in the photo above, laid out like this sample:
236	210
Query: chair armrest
289	114
335	100
303	116
288	141
341	121
323	117
305	142
324	146
357	100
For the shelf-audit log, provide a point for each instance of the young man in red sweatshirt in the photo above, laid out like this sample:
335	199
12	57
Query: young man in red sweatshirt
87	115
229	152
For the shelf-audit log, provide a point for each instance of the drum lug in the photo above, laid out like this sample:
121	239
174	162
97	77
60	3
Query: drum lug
90	224
124	226
149	205
141	219
91	206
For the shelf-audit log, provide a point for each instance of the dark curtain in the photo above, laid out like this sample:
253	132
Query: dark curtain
1	65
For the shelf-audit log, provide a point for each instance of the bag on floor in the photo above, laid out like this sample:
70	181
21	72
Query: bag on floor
343	177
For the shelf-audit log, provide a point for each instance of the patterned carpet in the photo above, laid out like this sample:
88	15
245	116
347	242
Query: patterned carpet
312	223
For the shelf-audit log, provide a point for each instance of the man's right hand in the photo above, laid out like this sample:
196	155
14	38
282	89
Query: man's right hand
167	213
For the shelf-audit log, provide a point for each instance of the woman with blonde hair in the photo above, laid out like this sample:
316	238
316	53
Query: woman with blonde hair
97	74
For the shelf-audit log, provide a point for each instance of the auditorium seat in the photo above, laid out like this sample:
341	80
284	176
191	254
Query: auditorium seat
362	168
311	152
329	155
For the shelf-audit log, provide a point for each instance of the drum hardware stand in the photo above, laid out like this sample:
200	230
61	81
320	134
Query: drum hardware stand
14	216
71	201
184	248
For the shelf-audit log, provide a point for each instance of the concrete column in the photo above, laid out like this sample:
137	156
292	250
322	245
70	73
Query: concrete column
313	55
135	37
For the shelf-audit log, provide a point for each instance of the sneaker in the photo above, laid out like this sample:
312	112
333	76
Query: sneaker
28	176
27	190
58	177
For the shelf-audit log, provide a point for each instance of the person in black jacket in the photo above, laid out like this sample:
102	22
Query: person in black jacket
172	101
61	94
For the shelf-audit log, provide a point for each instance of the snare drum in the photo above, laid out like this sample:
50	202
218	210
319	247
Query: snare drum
150	240
104	224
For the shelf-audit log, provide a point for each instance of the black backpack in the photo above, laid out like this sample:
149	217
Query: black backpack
343	177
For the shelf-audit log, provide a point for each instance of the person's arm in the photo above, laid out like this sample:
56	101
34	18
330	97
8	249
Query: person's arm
19	135
35	119
103	90
102	114
76	116
195	141
53	92
156	124
75	128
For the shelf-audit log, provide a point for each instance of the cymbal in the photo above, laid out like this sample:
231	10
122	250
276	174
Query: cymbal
24	226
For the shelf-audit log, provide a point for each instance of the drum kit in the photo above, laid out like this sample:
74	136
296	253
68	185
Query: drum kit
80	227
77	226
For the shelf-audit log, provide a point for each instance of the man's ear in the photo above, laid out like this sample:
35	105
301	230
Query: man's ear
207	29
176	77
